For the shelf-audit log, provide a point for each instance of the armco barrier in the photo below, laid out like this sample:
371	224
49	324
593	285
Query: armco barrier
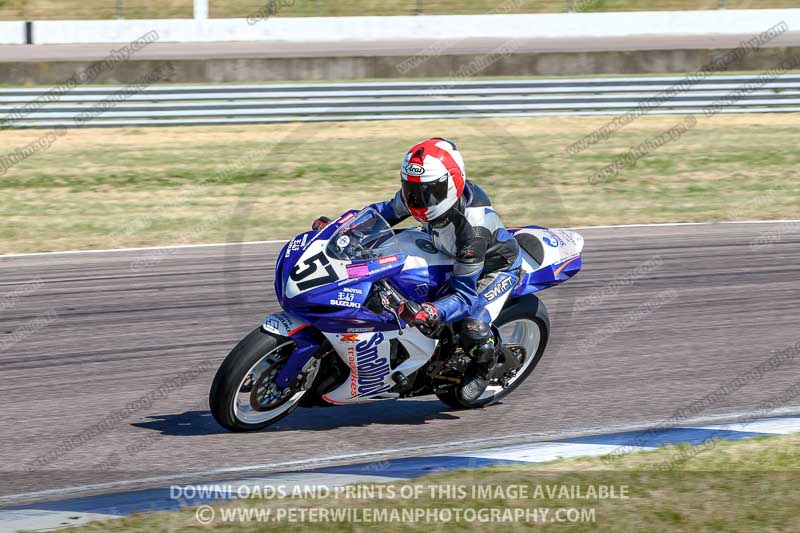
171	105
12	32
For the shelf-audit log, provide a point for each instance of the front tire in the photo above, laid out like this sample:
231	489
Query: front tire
525	321
243	395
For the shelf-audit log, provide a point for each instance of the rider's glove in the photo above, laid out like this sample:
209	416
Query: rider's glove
320	223
419	315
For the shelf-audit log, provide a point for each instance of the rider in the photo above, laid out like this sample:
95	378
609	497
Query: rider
459	217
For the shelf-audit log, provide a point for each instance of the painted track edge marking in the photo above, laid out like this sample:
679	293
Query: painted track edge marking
281	241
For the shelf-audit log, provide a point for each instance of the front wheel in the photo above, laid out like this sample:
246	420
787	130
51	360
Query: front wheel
244	396
524	322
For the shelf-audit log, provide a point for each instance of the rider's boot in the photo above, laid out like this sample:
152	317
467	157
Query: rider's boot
481	348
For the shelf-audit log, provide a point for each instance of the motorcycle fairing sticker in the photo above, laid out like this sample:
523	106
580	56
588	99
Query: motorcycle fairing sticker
313	269
368	368
282	323
557	272
297	244
367	357
381	265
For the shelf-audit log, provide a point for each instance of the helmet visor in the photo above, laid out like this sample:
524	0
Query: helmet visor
420	195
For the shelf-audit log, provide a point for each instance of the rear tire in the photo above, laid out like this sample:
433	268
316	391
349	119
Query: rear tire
526	312
255	356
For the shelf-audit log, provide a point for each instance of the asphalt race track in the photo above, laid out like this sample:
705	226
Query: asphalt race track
82	335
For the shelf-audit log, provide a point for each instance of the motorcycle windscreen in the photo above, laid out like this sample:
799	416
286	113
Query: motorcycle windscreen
365	236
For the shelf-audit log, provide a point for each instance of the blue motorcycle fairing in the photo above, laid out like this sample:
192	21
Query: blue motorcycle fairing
307	343
295	248
338	307
547	277
289	255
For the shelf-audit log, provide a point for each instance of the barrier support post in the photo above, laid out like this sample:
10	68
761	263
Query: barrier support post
200	9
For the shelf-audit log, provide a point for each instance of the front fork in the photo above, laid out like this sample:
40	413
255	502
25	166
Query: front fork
308	344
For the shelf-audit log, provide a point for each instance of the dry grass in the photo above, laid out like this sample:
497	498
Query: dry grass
131	187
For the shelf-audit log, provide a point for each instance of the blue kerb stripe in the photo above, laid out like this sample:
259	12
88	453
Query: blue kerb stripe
120	504
654	438
125	503
410	467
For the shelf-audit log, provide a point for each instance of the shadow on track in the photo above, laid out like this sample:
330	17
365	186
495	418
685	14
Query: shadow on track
407	412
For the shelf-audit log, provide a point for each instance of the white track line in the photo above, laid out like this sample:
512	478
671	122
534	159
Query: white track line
670	224
281	241
447	448
145	249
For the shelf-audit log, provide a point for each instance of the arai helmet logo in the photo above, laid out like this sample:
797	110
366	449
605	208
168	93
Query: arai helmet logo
414	169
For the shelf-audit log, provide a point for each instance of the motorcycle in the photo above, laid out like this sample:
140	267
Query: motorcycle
339	339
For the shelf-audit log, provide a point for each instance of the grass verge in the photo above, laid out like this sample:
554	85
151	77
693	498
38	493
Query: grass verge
739	486
132	9
108	188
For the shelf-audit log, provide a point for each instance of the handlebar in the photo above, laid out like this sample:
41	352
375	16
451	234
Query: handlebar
391	300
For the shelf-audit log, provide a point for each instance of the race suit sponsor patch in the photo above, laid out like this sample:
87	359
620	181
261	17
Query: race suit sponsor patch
499	289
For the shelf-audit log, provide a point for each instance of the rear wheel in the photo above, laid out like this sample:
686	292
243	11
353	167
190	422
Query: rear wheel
524	322
244	396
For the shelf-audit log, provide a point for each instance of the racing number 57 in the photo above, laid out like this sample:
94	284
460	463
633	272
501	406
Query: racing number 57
305	269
